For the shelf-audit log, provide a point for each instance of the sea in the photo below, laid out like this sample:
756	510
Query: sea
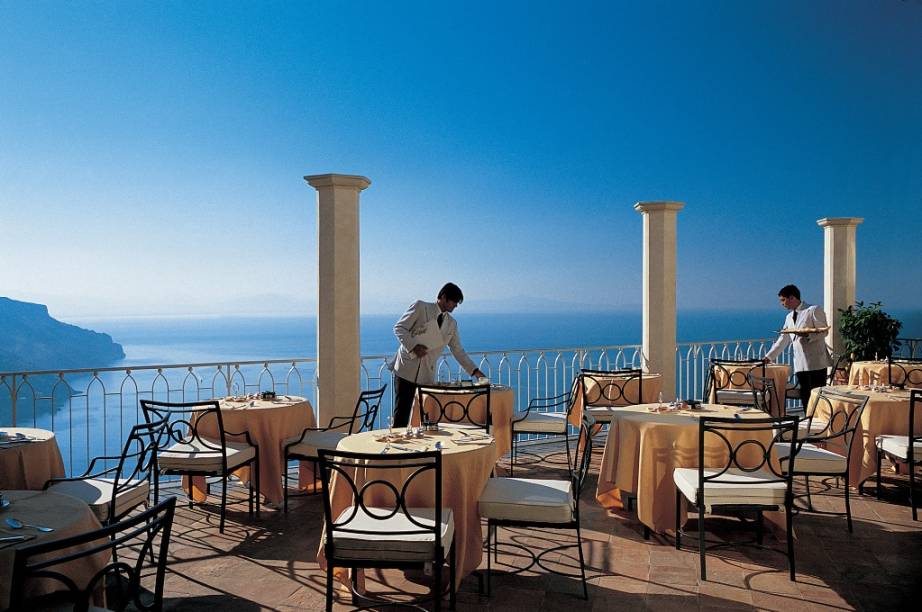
92	413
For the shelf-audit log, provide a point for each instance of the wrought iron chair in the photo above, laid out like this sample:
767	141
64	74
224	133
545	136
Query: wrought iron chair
192	452
606	391
905	449
826	452
742	478
904	372
43	562
380	527
455	405
113	492
526	502
728	381
544	415
312	439
838	375
765	395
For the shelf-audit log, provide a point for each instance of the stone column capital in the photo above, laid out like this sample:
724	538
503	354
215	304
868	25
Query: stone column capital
839	221
661	206
337	180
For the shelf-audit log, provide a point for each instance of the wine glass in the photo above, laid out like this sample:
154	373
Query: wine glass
236	389
390	426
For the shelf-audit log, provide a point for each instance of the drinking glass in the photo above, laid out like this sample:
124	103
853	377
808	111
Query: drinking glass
390	426
236	389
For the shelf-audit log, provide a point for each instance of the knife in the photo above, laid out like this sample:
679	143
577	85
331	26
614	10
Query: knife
18	538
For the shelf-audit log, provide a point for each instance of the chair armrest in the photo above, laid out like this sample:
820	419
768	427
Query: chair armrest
345	421
87	474
244	433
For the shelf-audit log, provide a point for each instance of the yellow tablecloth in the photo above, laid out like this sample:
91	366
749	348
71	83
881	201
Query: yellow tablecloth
28	464
652	385
270	423
465	470
885	413
778	372
502	409
68	516
644	448
875	373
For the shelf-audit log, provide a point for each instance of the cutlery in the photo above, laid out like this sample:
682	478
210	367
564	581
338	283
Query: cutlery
13	538
17	524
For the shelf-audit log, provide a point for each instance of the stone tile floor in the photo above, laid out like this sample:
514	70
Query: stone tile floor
270	563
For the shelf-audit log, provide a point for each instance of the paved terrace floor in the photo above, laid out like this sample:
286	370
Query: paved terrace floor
270	563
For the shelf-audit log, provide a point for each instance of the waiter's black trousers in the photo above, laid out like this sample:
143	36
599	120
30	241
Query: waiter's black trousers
808	381
403	404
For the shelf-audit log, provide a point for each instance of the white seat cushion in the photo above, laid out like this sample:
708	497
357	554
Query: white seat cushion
97	493
734	487
541	422
812	459
807	428
314	440
604	414
898	446
734	397
528	500
195	456
384	543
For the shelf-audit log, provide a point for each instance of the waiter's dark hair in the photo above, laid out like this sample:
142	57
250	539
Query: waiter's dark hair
452	292
789	291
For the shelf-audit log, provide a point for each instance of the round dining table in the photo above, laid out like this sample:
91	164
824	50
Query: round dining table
645	446
887	412
878	373
468	459
269	422
29	457
502	410
738	380
68	516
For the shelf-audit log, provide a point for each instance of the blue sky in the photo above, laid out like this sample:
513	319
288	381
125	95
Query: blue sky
152	154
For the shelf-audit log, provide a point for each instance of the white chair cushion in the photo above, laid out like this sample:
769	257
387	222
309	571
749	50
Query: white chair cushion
735	397
807	428
193	455
527	500
384	544
734	487
314	440
898	446
604	414
97	493
812	459
541	422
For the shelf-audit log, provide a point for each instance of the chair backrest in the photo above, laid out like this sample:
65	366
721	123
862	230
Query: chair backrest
764	393
904	372
185	422
455	404
381	487
841	412
841	369
915	400
138	460
581	467
732	374
44	561
622	387
366	410
746	445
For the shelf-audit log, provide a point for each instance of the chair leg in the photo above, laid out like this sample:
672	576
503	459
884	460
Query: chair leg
582	562
678	514
759	526
223	502
646	532
285	485
848	510
437	565
256	469
880	456
329	588
809	498
912	488
452	573
512	456
704	572
790	534
489	557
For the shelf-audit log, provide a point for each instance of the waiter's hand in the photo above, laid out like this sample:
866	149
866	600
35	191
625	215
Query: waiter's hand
477	373
420	351
766	360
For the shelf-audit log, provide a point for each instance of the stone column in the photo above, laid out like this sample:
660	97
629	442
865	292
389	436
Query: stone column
839	271
659	289
338	352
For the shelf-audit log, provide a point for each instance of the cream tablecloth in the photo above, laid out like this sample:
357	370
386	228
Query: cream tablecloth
29	463
652	385
644	448
465	470
270	423
502	410
885	413
68	516
875	373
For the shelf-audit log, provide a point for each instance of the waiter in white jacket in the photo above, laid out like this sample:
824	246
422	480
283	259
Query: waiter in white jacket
811	357
423	330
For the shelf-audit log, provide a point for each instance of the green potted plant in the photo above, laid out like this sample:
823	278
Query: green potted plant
868	332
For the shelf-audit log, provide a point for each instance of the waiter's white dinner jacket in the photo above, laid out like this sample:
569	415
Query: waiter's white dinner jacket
810	352
422	371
